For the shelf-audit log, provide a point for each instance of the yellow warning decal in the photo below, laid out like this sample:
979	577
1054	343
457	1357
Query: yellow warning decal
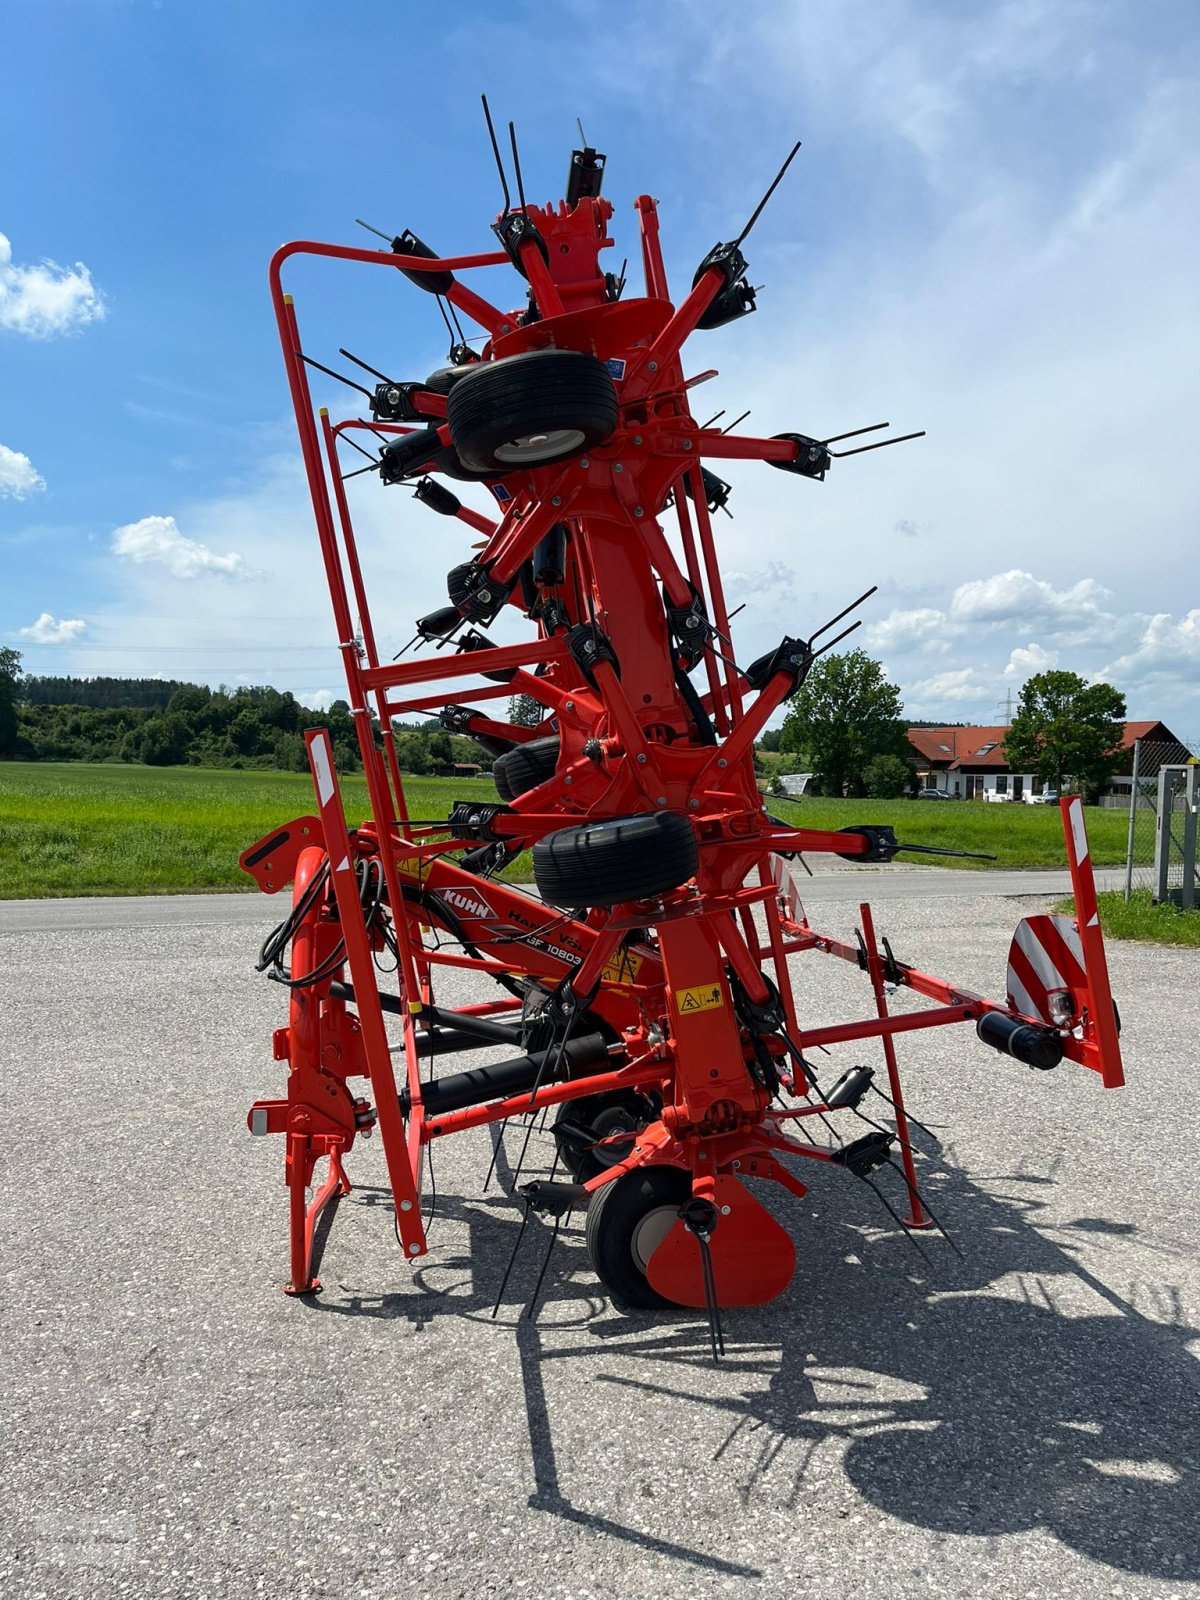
623	968
707	998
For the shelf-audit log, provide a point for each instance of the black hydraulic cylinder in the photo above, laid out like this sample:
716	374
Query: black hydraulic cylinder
1036	1047
580	1058
455	1030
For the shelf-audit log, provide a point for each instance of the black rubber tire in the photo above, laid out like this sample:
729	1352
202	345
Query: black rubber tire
603	1115
620	859
444	379
614	1216
525	766
447	462
499	409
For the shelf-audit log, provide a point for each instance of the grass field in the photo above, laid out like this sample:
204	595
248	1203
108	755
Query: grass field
75	829
1017	835
1141	919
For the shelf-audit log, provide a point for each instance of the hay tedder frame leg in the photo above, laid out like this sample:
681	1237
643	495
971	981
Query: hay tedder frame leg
648	997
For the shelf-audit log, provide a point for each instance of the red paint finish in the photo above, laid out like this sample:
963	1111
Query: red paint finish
693	985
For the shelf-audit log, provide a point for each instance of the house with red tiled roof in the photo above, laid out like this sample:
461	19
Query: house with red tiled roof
970	764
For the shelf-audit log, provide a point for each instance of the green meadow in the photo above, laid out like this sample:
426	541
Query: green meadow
78	829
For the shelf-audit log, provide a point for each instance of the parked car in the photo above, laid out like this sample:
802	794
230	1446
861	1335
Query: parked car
931	794
1048	797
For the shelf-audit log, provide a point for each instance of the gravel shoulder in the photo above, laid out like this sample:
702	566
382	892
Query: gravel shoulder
1021	1423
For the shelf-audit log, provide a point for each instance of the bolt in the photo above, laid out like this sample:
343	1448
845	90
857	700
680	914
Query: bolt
637	438
737	1166
568	778
484	596
693	805
570	705
641	760
617	467
505	327
724	1211
652	366
661	801
414	1249
393	397
406	1205
702	1155
584	462
638	511
687	444
556	499
722	762
692	622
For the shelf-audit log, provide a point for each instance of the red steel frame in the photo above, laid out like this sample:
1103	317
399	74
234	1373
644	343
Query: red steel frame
715	935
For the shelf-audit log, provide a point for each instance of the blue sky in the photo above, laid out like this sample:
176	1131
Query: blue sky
991	232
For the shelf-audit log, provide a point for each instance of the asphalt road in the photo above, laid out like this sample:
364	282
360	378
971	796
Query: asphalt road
836	882
1019	1424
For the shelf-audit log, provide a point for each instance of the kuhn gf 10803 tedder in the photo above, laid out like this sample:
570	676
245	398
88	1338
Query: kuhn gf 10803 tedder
643	998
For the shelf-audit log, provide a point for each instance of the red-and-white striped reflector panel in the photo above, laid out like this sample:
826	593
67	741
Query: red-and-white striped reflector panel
1045	960
789	894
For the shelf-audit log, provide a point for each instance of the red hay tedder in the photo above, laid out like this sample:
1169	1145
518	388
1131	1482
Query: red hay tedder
644	995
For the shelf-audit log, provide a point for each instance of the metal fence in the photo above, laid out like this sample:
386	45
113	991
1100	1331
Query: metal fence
1161	853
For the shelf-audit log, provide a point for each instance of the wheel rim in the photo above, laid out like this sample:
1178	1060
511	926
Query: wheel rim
607	1126
540	446
650	1233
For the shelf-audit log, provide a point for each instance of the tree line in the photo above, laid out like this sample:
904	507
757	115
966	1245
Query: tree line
173	723
845	725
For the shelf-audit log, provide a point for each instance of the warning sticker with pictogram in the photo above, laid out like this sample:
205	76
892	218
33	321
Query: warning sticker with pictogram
706	998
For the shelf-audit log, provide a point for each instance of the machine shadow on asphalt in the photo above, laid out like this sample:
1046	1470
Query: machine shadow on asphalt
993	1396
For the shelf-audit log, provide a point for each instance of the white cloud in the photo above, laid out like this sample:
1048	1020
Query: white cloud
157	540
1019	597
46	299
19	478
769	588
961	684
925	628
1027	660
319	699
47	631
1168	651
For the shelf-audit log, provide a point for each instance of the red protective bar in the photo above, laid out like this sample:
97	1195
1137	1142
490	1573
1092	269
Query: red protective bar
397	808
466	665
402	1171
479	310
840	1033
652	261
1087	918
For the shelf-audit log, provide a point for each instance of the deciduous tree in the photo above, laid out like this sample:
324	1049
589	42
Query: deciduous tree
843	715
1066	727
10	677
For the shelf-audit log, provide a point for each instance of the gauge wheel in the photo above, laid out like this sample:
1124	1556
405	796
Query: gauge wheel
627	1220
531	409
